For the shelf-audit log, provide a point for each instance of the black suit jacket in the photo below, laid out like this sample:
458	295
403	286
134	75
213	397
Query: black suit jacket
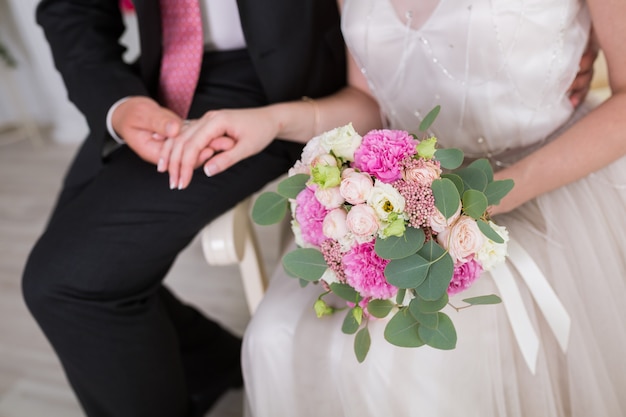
295	45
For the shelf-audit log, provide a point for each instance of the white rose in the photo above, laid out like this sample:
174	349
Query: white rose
363	222
385	199
355	186
324	159
438	221
342	141
463	239
329	197
424	175
329	276
299	168
492	253
311	150
334	225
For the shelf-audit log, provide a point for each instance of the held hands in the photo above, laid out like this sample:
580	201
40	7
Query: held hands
219	139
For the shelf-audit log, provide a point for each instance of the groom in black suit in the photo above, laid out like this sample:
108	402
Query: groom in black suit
94	280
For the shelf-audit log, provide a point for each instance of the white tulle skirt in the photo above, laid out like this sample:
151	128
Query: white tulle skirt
296	365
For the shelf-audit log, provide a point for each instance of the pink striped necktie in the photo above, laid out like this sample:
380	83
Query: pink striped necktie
183	45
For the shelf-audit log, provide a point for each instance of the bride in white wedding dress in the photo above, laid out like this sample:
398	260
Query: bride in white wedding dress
500	70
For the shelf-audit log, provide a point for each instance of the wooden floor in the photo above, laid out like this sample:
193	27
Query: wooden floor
32	383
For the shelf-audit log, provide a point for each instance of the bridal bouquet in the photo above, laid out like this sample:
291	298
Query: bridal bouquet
380	224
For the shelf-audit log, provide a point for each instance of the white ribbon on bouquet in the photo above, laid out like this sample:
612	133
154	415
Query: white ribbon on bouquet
551	307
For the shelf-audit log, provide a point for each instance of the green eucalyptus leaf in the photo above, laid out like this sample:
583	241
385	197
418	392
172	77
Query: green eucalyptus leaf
400	295
407	272
449	158
290	187
379	308
303	282
442	337
446	196
305	263
483	300
441	269
428	306
483	165
394	247
269	208
362	342
430	320
402	330
429	119
473	178
489	232
346	292
496	190
458	181
350	325
474	203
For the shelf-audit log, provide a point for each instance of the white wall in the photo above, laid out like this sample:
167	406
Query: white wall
35	83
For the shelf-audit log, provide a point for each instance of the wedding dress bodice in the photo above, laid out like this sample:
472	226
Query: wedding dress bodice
500	69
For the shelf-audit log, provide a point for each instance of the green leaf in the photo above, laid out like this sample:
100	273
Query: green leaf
442	337
350	325
450	158
394	247
489	232
473	178
458	181
429	119
483	300
483	165
496	190
474	203
407	272
379	308
305	263
430	320
441	269
290	187
400	295
427	306
446	195
402	330
269	208
346	292
362	342
303	282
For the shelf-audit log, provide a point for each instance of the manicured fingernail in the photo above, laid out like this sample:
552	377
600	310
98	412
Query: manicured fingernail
172	184
180	184
209	169
161	165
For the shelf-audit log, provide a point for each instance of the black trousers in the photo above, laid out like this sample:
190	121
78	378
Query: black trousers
94	280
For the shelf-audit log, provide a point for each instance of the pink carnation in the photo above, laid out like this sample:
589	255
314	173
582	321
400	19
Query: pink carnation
310	215
464	276
364	271
381	153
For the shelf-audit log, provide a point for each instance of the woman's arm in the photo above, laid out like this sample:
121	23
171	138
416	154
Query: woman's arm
592	143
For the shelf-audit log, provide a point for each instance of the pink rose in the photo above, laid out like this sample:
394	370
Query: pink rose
330	198
355	186
335	225
439	223
424	174
462	240
363	222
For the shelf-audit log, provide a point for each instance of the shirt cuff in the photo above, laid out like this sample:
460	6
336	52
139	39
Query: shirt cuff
109	124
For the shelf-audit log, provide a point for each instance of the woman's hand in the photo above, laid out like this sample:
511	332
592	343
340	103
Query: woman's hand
582	83
219	139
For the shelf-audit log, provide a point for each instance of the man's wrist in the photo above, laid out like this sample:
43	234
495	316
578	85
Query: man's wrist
109	122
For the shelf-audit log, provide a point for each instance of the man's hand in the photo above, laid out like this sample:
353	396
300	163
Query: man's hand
144	125
581	84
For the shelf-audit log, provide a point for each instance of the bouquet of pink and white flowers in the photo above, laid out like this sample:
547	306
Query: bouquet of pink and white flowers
380	224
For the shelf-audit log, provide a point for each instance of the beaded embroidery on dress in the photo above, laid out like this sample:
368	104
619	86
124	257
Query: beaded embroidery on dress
500	70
